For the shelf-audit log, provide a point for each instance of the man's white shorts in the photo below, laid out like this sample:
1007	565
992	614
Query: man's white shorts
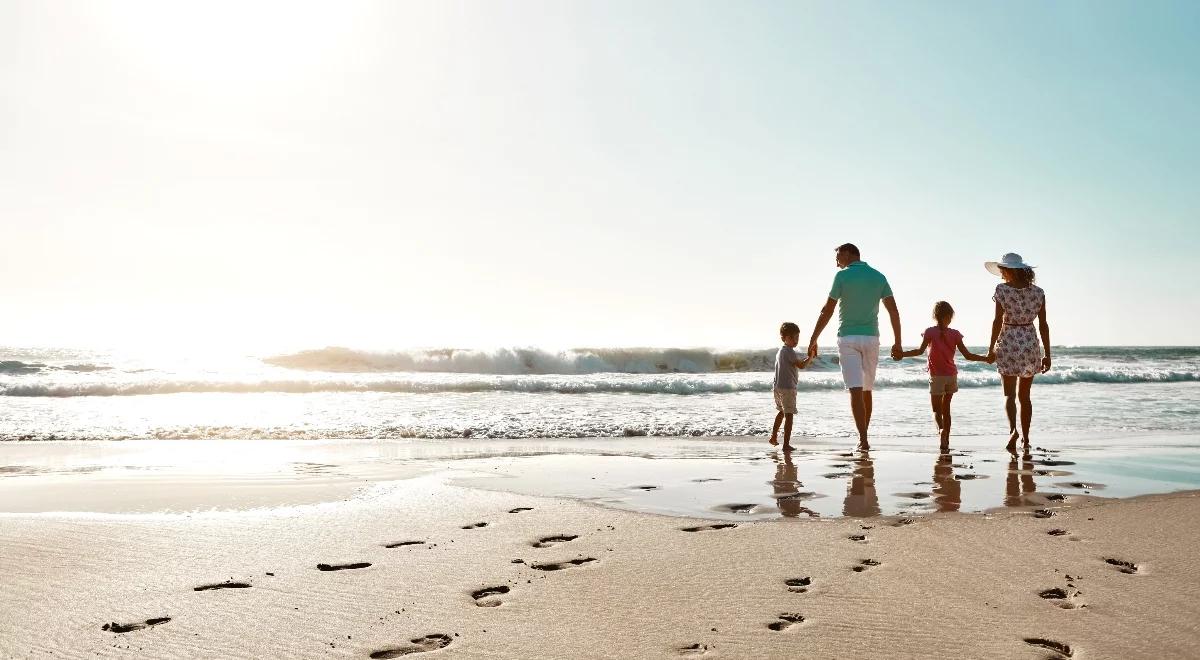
859	356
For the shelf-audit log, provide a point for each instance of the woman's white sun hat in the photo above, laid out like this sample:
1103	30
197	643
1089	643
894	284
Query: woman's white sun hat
1011	260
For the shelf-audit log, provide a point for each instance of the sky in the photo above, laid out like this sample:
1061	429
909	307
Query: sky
569	174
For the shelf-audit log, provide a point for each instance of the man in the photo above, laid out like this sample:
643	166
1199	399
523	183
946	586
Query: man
859	288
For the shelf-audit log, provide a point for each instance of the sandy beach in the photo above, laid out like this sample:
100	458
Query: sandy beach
424	564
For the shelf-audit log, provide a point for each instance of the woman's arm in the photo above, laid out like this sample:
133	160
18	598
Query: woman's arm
997	323
962	348
1044	327
916	351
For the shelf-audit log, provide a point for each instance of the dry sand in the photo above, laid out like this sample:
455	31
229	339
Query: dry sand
954	585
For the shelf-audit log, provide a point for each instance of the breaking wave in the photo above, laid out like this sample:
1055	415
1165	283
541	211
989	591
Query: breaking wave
678	384
530	361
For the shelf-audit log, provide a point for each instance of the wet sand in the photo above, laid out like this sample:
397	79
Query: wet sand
401	556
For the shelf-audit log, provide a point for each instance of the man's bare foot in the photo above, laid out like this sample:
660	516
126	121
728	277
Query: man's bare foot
945	446
1012	442
787	447
774	440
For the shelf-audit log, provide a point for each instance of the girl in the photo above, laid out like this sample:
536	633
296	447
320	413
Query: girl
1014	344
943	374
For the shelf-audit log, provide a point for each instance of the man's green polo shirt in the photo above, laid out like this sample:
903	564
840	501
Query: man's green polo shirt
859	288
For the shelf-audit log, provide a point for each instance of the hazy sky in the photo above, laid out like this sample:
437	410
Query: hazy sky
558	173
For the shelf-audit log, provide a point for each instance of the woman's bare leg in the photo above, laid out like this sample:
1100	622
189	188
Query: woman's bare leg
1026	406
1010	409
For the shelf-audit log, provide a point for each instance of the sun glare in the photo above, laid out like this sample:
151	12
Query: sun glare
231	44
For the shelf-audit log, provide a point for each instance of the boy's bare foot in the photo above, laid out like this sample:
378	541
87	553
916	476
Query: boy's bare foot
774	440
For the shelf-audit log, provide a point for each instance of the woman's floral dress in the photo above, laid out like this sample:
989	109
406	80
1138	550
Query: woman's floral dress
1018	352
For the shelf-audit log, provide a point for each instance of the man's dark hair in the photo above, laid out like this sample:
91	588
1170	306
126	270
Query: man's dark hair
849	247
788	329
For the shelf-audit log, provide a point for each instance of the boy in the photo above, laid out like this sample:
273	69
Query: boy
787	374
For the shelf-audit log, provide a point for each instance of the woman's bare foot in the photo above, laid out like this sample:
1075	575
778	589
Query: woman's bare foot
786	447
774	440
1012	442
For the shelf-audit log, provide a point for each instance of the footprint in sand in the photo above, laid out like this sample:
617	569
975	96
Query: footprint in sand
222	585
705	480
705	528
904	521
475	525
418	645
1058	532
520	509
786	620
645	488
1058	647
115	627
1056	497
1066	596
343	567
865	564
1044	513
858	537
401	544
558	566
693	649
486	597
1124	566
798	585
547	541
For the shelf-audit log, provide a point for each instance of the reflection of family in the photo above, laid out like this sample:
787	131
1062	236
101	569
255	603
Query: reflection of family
857	291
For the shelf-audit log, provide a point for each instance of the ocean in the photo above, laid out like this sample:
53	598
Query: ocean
331	393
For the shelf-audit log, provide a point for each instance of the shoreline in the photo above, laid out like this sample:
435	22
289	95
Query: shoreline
730	478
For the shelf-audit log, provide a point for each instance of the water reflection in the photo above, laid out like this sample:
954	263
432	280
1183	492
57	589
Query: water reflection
947	491
861	499
1019	481
786	487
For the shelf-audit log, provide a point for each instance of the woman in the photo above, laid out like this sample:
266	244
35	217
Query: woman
1014	344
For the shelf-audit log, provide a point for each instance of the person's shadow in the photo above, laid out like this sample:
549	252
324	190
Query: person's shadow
861	500
947	491
1019	481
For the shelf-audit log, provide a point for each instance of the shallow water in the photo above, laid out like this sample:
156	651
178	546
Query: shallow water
734	479
760	484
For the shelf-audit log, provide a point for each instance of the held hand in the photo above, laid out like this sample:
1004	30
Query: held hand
1046	364
991	356
812	350
897	351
